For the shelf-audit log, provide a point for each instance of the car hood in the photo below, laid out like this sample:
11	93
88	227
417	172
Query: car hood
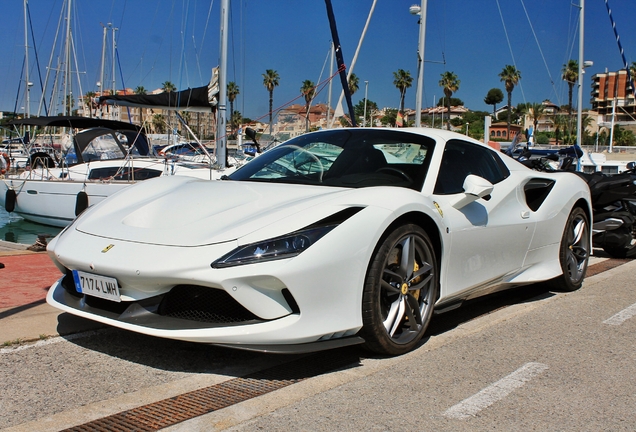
185	211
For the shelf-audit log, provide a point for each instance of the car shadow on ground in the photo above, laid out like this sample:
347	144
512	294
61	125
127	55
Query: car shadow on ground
473	309
190	357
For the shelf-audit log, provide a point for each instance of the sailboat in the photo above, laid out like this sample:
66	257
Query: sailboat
111	155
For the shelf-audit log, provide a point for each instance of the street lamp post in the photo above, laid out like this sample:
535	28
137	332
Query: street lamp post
421	11
467	128
366	92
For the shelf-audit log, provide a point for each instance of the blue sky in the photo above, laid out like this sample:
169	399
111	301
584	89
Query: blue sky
178	40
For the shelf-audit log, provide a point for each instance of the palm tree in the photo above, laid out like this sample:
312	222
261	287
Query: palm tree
270	81
510	75
88	100
141	90
232	92
535	112
558	121
449	84
308	90
354	82
402	81
570	74
169	87
236	118
158	124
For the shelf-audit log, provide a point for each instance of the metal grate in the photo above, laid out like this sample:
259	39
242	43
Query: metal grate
183	407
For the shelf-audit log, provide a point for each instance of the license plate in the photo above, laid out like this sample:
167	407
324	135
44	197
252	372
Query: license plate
97	286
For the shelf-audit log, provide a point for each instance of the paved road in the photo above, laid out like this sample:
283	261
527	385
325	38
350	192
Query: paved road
527	360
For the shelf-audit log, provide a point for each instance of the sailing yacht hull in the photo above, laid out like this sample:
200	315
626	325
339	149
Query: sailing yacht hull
49	197
54	203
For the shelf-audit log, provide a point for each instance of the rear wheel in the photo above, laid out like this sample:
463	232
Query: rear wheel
400	289
574	252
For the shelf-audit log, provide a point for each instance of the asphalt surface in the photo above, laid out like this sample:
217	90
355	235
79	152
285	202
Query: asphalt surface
528	359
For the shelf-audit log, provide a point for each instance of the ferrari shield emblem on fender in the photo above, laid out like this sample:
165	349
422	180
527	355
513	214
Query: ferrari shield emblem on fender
107	248
439	209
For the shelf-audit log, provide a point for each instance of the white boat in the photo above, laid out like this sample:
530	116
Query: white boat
598	162
102	161
13	150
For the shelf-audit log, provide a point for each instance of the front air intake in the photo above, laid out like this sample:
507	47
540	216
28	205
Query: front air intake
203	304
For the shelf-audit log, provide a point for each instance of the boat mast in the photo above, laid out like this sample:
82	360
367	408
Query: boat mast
26	61
579	113
420	62
101	72
221	138
340	59
67	65
114	29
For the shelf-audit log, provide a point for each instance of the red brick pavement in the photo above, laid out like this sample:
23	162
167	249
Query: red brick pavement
25	279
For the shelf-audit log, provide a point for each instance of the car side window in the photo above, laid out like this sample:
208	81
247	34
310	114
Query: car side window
461	159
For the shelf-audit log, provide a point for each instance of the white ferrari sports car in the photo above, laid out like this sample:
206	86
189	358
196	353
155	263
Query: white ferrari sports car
332	238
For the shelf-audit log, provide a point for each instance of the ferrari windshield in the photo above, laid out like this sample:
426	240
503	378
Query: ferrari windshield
346	158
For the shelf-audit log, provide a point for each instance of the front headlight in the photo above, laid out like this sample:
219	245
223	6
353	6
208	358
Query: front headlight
287	246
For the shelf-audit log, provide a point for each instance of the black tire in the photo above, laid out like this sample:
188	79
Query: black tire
574	252
399	291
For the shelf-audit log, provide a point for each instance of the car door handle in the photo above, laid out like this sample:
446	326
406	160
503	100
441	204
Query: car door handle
525	214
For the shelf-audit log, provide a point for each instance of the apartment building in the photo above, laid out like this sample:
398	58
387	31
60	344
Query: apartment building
611	88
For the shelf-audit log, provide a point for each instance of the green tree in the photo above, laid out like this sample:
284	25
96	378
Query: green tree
232	92
158	124
389	118
271	81
559	122
141	90
372	108
88	101
308	90
510	75
402	81
236	119
354	82
494	97
169	87
449	84
535	111
442	102
623	137
570	74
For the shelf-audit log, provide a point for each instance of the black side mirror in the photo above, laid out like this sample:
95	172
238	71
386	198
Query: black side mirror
251	133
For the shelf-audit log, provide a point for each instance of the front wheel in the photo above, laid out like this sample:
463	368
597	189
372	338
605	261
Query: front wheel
401	286
574	252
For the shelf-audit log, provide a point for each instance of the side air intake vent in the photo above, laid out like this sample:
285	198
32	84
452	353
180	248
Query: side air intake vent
536	191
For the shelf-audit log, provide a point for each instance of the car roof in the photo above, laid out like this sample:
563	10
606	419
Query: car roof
441	134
